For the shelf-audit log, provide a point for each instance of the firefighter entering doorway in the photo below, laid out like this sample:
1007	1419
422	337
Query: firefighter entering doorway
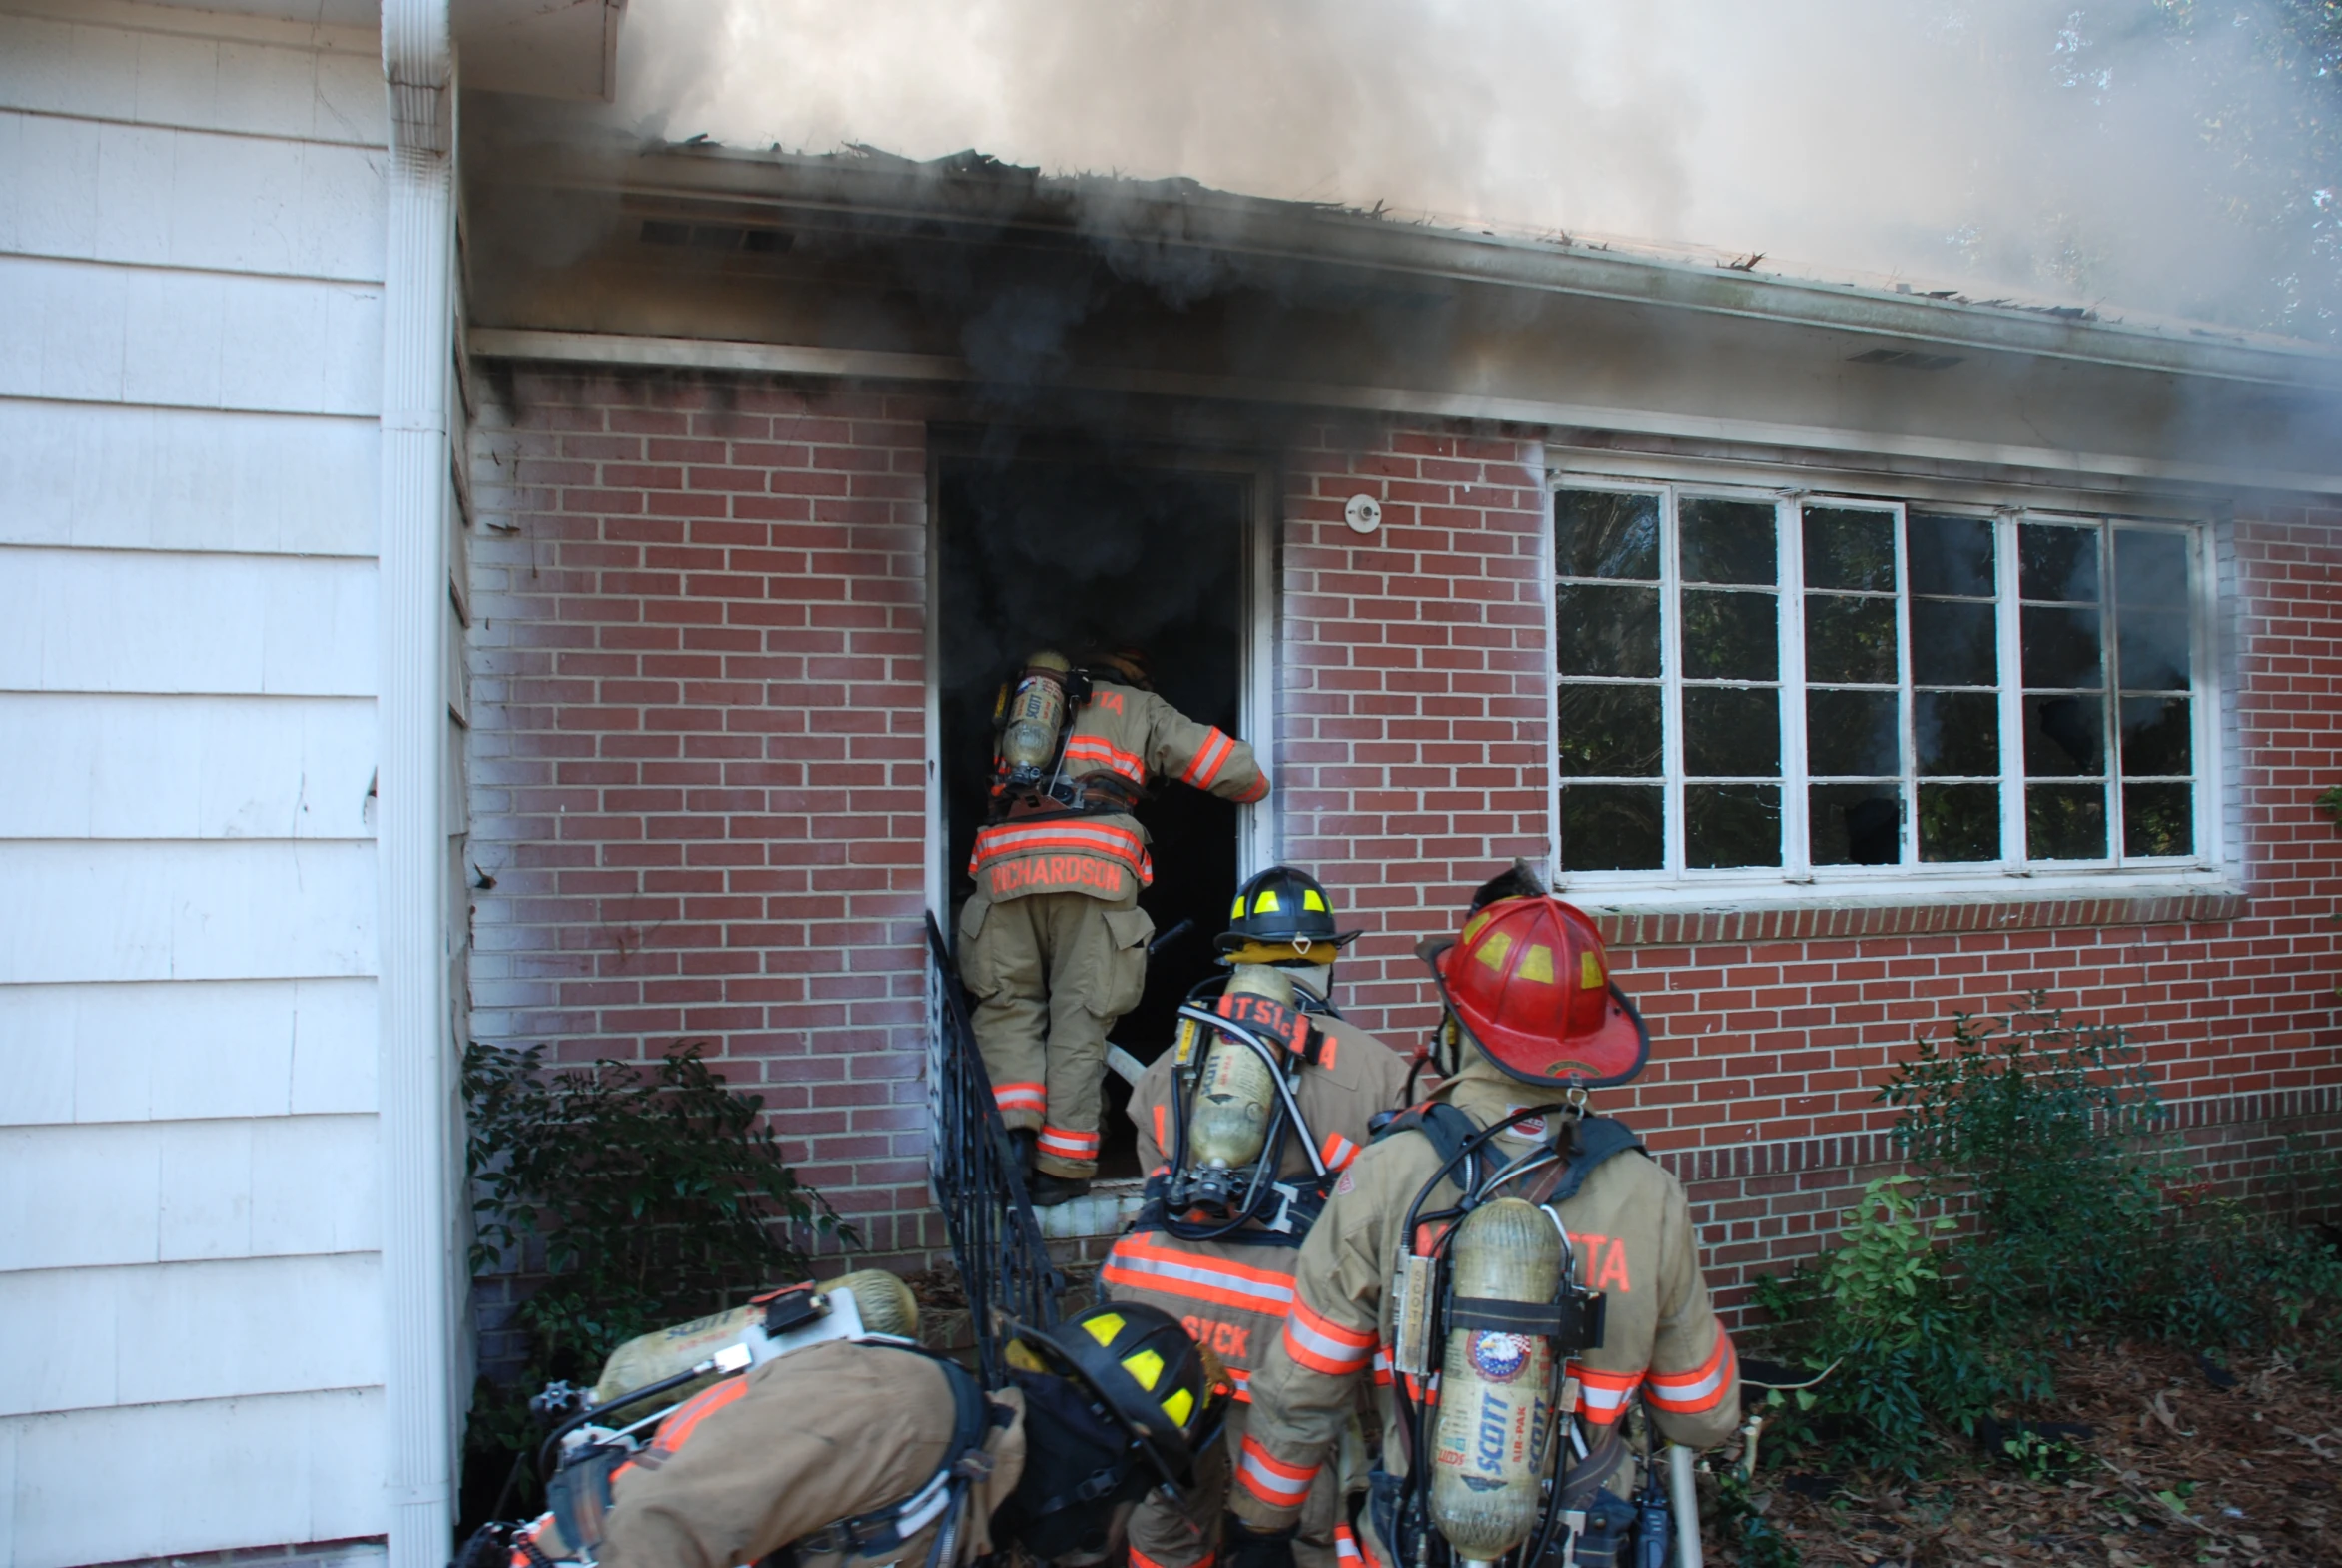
1083	550
1053	945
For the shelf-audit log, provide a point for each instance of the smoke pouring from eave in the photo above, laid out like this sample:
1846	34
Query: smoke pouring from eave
1986	144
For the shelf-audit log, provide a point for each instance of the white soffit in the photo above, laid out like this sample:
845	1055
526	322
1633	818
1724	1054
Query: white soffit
544	48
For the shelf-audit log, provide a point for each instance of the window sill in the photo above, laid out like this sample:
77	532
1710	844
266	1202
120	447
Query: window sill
1732	910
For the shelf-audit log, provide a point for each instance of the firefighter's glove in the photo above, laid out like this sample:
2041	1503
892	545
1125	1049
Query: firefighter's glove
1242	1546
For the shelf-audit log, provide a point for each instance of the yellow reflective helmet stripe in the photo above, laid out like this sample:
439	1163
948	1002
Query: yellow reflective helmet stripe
1537	963
1236	910
1179	1407
1311	898
1146	1367
1266	903
1104	1328
1590	976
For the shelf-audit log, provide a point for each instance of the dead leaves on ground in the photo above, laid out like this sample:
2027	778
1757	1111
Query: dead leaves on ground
2179	1471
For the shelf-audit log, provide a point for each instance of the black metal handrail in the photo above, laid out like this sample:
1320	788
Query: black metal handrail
1005	1267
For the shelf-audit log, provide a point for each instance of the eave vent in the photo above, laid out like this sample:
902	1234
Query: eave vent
716	237
1905	358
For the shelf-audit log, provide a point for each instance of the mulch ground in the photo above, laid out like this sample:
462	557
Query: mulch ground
2186	1462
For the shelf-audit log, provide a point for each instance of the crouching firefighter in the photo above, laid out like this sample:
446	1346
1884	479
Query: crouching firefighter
1524	1268
1053	945
865	1450
1239	1172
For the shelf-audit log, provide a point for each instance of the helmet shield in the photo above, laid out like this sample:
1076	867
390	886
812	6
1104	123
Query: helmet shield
1528	980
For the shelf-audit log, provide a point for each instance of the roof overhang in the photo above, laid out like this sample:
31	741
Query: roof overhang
594	249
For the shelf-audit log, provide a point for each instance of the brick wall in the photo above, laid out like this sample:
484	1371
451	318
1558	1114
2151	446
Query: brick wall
698	749
699	737
1415	688
1412	752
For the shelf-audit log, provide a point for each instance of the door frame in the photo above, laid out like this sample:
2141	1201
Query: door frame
1259	826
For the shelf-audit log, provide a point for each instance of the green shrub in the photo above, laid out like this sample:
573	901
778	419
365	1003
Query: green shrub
2034	1124
647	1196
1905	1342
2081	1215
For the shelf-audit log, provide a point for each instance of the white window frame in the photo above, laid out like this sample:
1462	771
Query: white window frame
1797	880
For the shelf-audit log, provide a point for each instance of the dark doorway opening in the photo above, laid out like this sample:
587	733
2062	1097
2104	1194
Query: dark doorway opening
1082	548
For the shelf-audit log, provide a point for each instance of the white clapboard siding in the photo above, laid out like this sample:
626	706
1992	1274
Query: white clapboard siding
148	76
180	1049
140	1481
95	332
105	1194
149	621
214	1331
96	190
78	765
110	477
99	909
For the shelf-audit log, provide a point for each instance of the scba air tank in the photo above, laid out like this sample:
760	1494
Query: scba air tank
883	1303
1237	1090
1036	712
1485	1497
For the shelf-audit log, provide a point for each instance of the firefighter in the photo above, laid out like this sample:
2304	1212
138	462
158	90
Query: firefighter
865	1451
1053	945
1532	1020
1231	1290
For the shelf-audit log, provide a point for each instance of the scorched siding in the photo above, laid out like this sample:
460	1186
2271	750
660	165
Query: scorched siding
191	248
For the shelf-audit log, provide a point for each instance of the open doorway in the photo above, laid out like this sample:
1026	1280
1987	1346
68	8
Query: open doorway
1077	548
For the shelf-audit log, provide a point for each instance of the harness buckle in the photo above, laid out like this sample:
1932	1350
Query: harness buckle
1288	1196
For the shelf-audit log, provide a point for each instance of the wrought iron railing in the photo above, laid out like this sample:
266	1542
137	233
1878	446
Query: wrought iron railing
1004	1263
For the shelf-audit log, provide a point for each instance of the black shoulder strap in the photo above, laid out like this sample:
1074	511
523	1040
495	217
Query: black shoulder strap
1447	1127
1599	1138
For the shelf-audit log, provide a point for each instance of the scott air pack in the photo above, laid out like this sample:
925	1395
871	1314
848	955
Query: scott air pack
1032	721
1233	1104
1489	1281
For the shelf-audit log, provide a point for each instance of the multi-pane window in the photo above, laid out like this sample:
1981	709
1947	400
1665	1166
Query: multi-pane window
1809	686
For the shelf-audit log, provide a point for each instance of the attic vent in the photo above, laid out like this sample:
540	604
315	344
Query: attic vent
715	237
1905	358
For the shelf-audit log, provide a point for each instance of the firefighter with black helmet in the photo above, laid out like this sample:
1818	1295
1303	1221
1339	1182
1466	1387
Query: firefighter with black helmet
1199	1250
1053	944
868	1450
1497	1255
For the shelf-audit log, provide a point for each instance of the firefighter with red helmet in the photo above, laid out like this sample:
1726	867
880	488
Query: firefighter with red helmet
1053	945
1497	1255
869	1450
1213	1246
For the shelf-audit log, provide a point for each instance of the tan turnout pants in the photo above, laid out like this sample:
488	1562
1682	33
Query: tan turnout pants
1166	1536
1051	974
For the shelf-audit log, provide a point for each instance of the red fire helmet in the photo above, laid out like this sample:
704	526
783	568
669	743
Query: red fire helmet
1529	982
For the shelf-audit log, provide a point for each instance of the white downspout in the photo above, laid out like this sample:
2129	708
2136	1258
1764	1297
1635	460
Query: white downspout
416	1091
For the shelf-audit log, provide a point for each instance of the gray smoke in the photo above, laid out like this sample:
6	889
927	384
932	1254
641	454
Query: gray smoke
1983	145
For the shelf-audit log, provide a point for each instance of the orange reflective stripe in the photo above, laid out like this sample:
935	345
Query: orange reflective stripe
1140	1262
1689	1393
1005	839
1209	759
1346	1545
1602	1397
1253	791
678	1429
1337	1153
1275	1482
1104	752
1067	1145
1020	1096
1162	1136
1322	1345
